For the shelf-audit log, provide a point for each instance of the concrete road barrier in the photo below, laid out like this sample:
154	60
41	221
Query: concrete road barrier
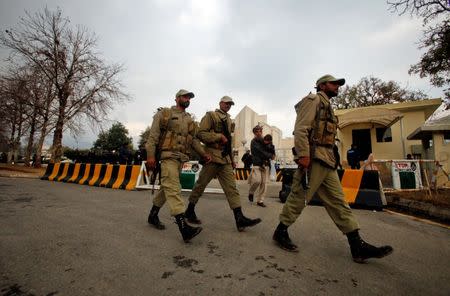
361	188
104	175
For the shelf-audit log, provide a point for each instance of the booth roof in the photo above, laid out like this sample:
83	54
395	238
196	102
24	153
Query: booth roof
383	116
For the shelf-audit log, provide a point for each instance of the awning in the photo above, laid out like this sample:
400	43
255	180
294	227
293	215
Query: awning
426	130
382	116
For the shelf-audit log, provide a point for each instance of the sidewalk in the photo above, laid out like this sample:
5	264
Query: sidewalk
20	171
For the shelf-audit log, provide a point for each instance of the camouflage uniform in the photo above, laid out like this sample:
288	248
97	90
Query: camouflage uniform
213	127
178	141
209	133
323	175
314	137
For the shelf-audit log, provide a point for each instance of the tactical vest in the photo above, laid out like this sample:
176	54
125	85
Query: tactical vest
217	123
324	126
173	136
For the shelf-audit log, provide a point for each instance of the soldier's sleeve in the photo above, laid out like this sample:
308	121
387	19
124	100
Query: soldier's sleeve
153	137
204	132
196	144
306	113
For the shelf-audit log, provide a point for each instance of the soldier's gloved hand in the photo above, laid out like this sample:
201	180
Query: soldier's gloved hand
223	139
207	158
304	161
151	163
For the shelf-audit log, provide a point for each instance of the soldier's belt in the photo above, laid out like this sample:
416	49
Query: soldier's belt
325	145
215	146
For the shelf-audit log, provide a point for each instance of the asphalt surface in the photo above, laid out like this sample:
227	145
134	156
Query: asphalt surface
66	239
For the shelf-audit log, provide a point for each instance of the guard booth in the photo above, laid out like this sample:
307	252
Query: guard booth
406	174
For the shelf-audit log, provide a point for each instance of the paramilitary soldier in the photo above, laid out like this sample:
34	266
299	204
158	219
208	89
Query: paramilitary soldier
173	135
314	137
215	132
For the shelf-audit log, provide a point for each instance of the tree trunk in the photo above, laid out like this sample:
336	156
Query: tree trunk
45	122
38	161
31	138
11	143
17	143
58	134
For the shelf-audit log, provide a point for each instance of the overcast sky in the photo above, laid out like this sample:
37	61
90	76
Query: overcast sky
264	54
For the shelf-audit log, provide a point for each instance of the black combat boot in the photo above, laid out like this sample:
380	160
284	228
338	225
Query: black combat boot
361	251
281	237
250	197
242	221
190	214
153	218
187	231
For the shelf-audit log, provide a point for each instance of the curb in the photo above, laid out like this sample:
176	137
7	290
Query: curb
419	208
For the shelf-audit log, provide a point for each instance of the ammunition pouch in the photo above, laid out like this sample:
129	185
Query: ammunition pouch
326	133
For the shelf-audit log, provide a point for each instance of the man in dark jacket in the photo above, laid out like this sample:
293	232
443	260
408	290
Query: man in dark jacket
247	159
262	154
353	157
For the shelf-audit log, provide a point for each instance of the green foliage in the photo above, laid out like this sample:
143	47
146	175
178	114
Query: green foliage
113	139
370	91
75	154
143	137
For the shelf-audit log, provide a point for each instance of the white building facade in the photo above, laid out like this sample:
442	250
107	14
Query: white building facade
244	121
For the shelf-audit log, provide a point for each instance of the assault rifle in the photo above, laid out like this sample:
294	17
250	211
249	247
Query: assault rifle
304	172
156	172
226	150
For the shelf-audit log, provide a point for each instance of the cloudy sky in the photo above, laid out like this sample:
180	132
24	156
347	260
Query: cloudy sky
264	54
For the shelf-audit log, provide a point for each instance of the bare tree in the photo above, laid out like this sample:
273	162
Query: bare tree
12	93
435	61
371	91
39	111
85	86
25	92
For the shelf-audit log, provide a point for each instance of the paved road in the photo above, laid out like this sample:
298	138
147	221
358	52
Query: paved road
65	239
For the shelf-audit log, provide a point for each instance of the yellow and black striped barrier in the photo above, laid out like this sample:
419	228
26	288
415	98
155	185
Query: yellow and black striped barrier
361	188
103	175
243	174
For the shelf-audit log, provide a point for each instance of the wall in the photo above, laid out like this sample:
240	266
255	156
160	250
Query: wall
442	154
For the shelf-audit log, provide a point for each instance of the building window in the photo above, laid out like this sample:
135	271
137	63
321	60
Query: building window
384	134
446	138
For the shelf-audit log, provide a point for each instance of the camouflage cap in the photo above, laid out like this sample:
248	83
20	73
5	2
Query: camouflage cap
227	99
183	92
330	78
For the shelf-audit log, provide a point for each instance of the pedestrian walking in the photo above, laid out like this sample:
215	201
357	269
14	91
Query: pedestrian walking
262	151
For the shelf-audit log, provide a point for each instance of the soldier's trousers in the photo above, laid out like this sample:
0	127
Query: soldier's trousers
170	187
227	179
325	182
258	182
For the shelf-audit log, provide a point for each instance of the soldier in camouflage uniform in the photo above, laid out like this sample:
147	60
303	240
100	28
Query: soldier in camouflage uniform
314	137
173	132
215	132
